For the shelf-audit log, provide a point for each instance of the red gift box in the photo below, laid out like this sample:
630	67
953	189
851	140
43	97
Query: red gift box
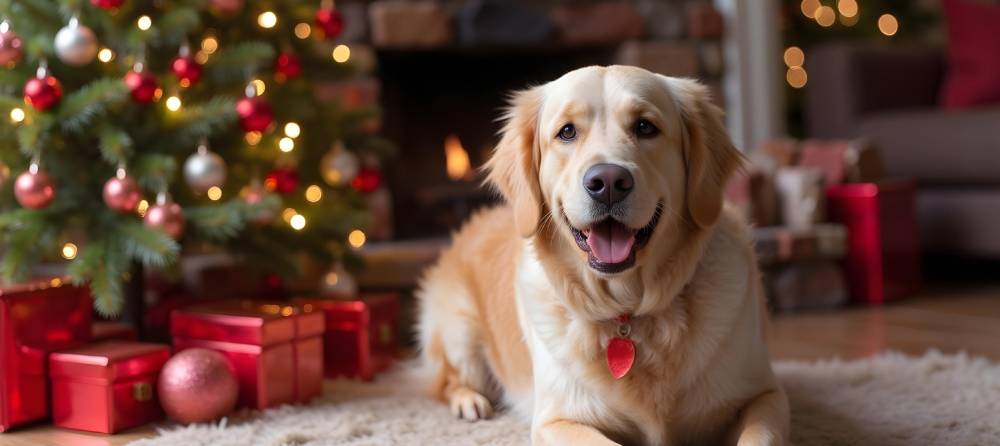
106	387
112	331
36	319
361	338
883	251
276	349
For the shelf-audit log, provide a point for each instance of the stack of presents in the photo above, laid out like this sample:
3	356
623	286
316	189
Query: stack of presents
58	364
830	228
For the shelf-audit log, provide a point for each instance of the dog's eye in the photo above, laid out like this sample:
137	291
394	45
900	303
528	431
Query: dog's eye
567	132
645	129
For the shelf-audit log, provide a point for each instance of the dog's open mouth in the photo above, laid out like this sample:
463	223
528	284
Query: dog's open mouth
611	246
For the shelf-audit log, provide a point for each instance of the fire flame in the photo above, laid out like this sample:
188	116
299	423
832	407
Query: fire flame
457	159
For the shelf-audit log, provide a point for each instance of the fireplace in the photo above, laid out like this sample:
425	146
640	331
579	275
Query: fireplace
440	110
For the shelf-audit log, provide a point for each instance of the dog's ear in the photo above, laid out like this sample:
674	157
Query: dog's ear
709	154
513	168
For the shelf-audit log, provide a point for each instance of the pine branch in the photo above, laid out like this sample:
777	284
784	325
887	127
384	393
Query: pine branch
149	246
80	108
115	144
106	283
153	169
237	61
199	121
14	266
177	23
32	137
218	223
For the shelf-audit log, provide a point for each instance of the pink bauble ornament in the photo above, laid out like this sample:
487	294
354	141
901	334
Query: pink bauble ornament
122	194
288	65
43	92
166	216
11	47
330	21
255	114
34	189
187	70
197	385
107	4
142	85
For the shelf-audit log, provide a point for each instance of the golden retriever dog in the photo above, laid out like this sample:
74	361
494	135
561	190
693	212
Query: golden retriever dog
612	300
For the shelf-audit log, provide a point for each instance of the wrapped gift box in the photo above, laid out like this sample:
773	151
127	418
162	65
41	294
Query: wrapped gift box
36	319
361	334
883	252
112	331
275	348
106	387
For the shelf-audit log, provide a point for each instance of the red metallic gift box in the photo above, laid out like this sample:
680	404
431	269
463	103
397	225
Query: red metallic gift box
35	319
106	387
883	253
361	334
276	349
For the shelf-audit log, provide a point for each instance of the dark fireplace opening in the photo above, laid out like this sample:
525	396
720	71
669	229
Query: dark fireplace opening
454	94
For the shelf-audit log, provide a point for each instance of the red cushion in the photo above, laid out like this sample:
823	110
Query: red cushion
973	77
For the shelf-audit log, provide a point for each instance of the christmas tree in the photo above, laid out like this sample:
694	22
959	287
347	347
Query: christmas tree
140	127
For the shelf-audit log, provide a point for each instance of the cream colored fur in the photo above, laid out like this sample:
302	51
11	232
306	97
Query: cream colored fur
513	314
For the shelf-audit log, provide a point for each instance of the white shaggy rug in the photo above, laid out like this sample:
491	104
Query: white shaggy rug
887	400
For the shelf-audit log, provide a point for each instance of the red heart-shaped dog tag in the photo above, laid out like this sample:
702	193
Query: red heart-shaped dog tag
621	355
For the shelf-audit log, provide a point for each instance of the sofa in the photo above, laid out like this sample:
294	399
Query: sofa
890	96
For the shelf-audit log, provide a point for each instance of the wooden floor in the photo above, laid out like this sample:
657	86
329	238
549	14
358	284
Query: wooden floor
947	319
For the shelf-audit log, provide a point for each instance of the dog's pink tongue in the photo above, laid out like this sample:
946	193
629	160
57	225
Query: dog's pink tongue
610	241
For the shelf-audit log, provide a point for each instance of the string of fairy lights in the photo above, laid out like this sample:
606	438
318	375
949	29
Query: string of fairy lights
847	13
209	44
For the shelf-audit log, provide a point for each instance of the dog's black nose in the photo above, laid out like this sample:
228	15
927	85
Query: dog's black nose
608	183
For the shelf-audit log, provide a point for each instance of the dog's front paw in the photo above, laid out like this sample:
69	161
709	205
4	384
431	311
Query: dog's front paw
468	404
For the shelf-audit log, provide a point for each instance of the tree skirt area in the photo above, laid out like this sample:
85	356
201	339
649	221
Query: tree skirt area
886	400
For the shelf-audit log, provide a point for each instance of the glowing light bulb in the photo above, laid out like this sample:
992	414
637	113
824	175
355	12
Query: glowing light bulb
288	213
314	193
794	57
142	208
144	23
214	193
173	103
105	55
16	115
267	19
303	30
286	144
356	238
209	44
69	251
797	77
888	25
297	222
292	130
341	53
259	86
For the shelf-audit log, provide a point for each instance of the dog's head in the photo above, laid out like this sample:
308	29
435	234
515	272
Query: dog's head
611	160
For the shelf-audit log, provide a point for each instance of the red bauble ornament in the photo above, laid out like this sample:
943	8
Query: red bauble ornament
42	93
282	180
197	385
226	7
288	65
142	85
186	69
368	180
34	190
330	21
122	194
166	216
107	4
255	114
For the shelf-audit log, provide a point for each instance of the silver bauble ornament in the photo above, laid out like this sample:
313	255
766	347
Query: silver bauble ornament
339	283
204	170
76	44
339	166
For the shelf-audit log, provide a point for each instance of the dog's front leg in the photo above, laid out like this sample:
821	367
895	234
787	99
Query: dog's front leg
565	432
763	422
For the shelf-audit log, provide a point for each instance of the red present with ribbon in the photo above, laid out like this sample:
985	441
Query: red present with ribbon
106	387
361	336
35	319
276	349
